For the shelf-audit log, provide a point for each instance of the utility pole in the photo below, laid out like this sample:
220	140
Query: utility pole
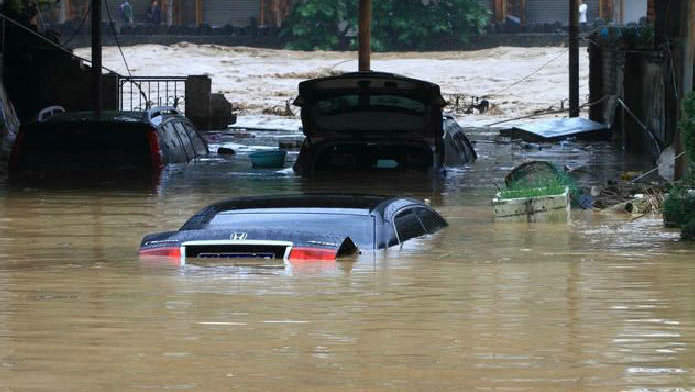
96	56
574	58
365	35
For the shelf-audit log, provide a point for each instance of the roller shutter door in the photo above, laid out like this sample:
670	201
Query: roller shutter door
546	11
552	11
232	12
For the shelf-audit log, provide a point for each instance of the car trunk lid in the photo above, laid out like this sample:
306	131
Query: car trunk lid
370	105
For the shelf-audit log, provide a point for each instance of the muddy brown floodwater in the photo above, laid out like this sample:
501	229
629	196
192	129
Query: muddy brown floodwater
601	303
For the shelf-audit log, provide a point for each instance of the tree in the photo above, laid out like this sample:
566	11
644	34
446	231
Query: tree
396	24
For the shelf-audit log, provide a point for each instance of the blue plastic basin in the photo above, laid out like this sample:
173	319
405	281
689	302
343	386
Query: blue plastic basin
274	159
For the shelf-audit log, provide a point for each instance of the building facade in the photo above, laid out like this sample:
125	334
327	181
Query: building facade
557	11
216	13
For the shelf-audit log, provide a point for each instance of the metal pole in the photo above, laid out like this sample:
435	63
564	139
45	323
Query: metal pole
96	56
365	35
574	58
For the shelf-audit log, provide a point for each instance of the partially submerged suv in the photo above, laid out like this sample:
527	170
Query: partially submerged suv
83	141
377	121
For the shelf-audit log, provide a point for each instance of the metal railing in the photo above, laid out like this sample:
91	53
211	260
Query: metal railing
139	93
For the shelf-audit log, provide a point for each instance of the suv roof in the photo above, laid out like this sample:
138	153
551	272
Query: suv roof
113	116
369	203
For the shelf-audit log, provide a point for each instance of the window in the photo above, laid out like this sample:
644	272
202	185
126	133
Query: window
408	225
198	143
353	102
431	221
359	228
185	140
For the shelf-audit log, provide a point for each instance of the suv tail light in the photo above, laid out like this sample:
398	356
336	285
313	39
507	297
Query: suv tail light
155	150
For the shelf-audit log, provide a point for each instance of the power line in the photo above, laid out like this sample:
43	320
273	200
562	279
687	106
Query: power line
115	37
529	75
62	49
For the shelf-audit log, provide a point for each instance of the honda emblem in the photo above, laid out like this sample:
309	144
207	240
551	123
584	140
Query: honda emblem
238	236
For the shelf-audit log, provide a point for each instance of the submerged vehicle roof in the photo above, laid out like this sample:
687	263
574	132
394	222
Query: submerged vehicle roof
110	116
315	200
373	82
369	203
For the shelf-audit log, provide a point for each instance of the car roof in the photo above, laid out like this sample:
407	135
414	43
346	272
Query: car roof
330	203
107	116
312	200
297	210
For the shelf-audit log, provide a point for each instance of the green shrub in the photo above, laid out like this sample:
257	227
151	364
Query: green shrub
688	230
679	207
396	24
687	128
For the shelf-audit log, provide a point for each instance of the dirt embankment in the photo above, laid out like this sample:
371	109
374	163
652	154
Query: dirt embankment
516	81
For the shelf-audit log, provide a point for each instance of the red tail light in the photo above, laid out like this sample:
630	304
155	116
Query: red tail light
312	254
15	155
172	253
155	151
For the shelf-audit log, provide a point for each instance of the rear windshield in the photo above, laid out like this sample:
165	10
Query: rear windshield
360	228
354	102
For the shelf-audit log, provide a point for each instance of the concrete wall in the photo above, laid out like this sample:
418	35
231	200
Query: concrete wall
645	96
640	79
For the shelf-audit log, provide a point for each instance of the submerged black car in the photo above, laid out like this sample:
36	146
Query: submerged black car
320	227
377	121
112	141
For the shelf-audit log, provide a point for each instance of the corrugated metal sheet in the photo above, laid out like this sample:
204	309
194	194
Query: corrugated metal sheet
232	12
552	11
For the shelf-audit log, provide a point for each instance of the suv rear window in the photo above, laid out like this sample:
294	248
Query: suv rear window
354	102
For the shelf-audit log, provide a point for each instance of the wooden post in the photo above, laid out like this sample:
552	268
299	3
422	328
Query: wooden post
179	12
523	12
365	35
276	12
261	13
499	10
198	12
574	58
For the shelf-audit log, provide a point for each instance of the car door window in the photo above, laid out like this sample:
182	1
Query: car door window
198	142
185	140
408	225
430	220
174	143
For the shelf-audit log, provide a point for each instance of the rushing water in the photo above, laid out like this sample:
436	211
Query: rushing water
600	303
